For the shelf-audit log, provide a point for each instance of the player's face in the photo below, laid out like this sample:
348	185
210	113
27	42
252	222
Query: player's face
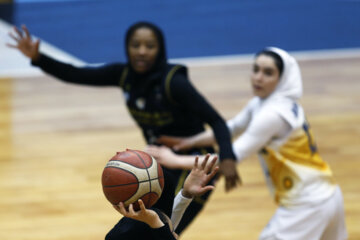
265	76
143	49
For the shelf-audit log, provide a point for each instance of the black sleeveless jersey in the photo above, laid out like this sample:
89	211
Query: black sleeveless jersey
156	111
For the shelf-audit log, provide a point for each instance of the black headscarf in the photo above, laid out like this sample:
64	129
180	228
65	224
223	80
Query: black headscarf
155	74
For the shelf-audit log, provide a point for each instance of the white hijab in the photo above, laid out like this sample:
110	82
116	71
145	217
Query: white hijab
290	84
288	91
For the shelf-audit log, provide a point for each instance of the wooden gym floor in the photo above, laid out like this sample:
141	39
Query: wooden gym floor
55	139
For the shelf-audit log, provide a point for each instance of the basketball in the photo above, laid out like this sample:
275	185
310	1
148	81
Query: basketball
131	175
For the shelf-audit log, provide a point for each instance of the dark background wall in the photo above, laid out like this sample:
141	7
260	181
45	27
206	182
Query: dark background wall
94	30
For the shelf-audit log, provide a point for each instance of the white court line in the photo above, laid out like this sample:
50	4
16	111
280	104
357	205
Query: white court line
248	58
14	64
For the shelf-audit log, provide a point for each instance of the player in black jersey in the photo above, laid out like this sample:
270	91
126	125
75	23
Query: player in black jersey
159	96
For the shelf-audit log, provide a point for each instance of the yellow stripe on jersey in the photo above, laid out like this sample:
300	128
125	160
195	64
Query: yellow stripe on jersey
300	149
123	77
296	159
282	176
167	83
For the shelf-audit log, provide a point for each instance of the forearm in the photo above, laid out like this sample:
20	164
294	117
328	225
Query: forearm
163	233
223	139
264	128
97	76
186	161
203	139
180	205
186	95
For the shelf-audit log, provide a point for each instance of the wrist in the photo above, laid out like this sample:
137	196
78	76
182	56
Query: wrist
156	223
178	163
186	194
228	160
35	59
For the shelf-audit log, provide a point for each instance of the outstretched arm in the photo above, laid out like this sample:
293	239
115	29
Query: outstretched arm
203	139
186	95
105	75
166	157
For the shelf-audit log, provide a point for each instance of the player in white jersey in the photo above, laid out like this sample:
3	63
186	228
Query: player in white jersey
273	124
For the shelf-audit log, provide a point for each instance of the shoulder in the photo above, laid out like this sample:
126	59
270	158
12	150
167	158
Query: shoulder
289	110
176	71
177	77
253	103
123	70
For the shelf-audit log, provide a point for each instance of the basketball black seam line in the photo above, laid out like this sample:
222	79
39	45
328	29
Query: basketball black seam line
125	184
147	171
125	163
125	171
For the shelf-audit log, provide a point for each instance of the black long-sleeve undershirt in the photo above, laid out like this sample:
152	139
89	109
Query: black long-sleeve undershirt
186	95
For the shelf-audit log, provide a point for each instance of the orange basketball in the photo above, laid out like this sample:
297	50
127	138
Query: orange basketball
131	175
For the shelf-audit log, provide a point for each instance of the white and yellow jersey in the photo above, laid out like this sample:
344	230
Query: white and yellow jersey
296	173
279	132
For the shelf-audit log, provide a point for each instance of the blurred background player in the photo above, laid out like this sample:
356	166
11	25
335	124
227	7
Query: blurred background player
159	96
273	124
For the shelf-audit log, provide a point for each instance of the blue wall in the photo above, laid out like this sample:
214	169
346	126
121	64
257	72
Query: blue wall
94	30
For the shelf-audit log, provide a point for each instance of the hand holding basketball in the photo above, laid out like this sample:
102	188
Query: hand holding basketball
147	216
133	175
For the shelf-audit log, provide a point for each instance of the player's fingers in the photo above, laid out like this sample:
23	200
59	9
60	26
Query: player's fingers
11	45
229	184
37	43
211	165
26	31
206	189
16	38
142	205
204	163
121	208
238	179
131	209
18	32
212	174
196	162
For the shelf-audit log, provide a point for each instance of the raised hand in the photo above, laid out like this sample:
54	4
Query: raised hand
196	182
147	216
24	43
